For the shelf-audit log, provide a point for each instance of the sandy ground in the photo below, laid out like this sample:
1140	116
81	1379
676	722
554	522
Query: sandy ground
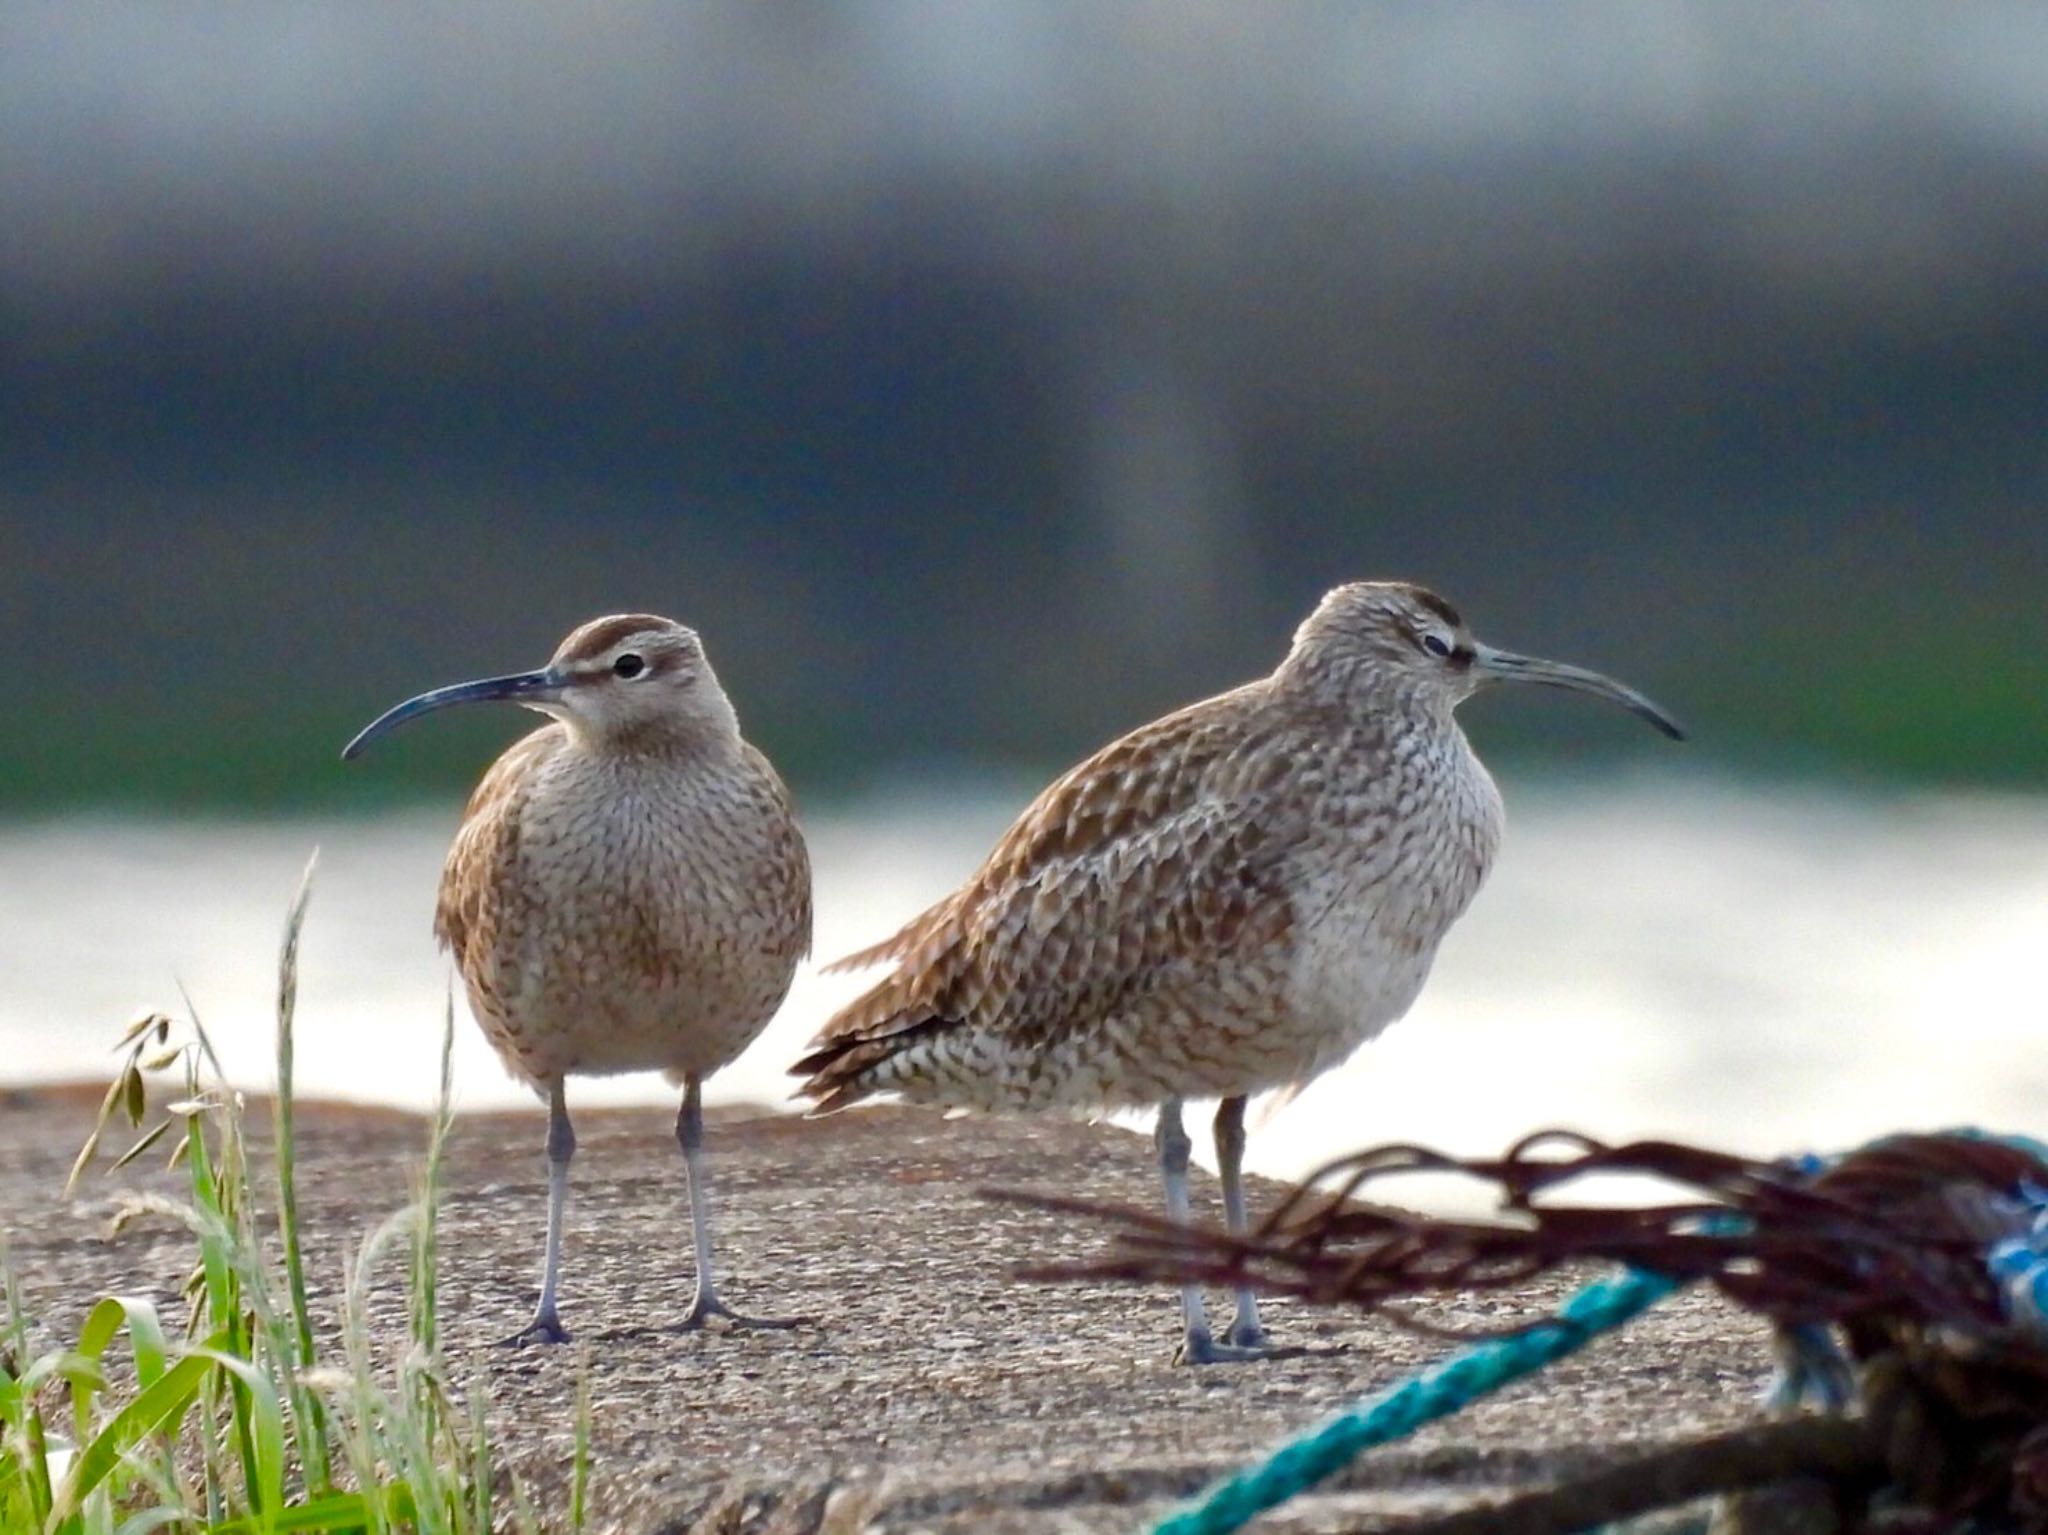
932	1387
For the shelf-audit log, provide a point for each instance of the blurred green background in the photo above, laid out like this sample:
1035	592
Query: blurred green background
983	378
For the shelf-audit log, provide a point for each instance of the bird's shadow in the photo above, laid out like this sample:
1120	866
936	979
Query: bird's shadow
716	1327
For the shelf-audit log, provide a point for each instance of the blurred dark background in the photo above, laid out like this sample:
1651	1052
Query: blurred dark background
983	378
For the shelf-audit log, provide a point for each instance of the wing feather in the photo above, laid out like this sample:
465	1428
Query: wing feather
1139	869
477	883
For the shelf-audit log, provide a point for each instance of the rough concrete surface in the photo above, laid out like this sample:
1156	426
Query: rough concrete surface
932	1389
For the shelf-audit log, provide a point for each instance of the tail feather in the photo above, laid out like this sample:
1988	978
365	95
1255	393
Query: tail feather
859	1052
899	944
841	1072
888	950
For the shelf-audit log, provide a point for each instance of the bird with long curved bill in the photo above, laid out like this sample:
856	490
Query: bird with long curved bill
1230	899
628	891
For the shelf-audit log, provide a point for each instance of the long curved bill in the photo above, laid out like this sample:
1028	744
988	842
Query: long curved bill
520	687
1506	666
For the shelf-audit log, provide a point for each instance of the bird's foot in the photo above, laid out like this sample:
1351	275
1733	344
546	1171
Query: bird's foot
1197	1347
546	1328
1247	1334
705	1307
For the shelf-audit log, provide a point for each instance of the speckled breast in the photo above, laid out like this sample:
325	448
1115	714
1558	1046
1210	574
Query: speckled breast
1377	895
647	922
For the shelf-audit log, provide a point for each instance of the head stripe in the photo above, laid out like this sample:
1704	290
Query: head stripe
592	640
1436	605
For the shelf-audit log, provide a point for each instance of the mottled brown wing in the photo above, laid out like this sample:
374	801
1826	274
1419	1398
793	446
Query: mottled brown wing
1154	910
477	882
1138	869
1137	780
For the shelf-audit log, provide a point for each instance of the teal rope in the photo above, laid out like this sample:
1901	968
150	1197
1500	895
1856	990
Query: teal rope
1438	1391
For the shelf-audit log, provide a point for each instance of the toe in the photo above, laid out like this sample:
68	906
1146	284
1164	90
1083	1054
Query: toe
536	1332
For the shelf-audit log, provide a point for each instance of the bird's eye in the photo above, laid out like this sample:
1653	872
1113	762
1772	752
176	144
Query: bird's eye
1436	644
628	665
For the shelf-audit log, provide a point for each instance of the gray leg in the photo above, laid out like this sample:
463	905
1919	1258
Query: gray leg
1245	1330
690	1136
1174	1148
546	1326
1197	1346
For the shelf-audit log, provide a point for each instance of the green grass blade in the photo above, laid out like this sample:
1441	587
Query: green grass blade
102	1324
153	1519
332	1511
579	1482
306	1410
221	1307
480	1472
425	1295
153	1411
145	1334
24	1454
216	1182
265	1431
60	1364
41	1500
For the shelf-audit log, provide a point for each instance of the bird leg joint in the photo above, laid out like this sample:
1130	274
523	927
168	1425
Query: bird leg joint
561	1138
1230	1136
690	1119
1171	1137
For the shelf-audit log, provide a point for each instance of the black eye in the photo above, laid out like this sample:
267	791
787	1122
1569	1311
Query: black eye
1436	644
628	665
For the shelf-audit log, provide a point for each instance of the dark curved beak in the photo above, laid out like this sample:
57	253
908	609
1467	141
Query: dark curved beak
1506	666
520	687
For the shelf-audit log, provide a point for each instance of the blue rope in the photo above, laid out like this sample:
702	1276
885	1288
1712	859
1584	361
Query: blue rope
2019	1263
1438	1391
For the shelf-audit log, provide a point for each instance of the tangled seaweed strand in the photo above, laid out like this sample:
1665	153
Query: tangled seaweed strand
1887	1245
1896	1231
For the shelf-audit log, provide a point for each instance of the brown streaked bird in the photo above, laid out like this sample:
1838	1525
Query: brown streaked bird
1229	899
628	891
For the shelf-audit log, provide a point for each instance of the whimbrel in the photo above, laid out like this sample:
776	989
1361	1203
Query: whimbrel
628	891
1229	899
